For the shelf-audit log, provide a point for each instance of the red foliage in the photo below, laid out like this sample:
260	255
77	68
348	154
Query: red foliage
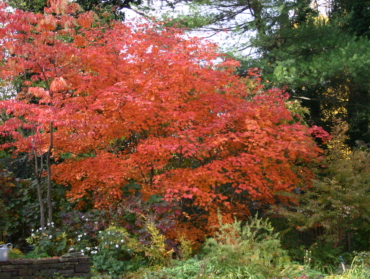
319	133
143	103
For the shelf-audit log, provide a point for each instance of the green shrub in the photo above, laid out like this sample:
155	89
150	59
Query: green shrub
359	269
191	268
34	255
339	201
253	248
325	257
15	254
52	242
118	252
185	249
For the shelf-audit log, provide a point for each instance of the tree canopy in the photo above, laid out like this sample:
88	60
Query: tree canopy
143	103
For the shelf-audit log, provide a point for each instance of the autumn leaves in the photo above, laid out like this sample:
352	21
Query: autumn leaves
143	103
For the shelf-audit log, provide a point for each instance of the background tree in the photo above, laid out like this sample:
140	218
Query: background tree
336	209
113	7
321	59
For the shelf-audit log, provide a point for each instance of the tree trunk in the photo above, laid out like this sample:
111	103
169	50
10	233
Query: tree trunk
37	171
48	166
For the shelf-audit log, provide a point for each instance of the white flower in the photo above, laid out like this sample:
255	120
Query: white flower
80	235
83	216
82	254
117	246
84	233
87	219
52	223
50	236
122	241
82	251
33	234
31	230
87	248
96	247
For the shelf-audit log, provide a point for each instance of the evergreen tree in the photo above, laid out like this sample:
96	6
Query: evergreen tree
323	60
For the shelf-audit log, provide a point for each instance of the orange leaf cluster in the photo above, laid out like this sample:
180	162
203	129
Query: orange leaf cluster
144	103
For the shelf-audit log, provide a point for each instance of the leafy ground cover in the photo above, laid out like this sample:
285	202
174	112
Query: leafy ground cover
238	250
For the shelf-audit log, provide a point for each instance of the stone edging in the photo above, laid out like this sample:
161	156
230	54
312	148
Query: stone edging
68	266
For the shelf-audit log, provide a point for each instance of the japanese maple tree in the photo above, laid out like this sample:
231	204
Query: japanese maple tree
139	102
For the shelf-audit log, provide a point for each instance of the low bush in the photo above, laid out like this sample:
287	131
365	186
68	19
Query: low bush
51	241
250	249
119	252
15	254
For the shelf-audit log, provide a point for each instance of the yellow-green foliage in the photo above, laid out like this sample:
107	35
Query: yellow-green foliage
250	248
339	202
156	250
53	242
185	250
297	110
15	254
359	269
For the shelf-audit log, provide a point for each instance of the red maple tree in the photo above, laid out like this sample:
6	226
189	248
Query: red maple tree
144	103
